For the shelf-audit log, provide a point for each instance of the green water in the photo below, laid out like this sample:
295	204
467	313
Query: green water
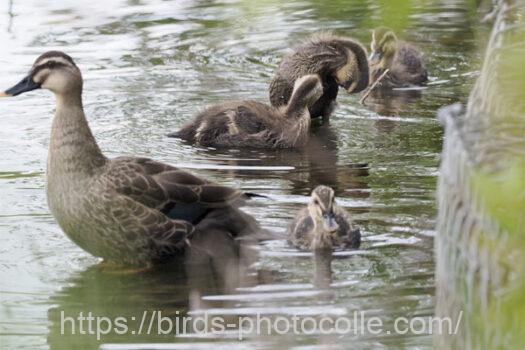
148	66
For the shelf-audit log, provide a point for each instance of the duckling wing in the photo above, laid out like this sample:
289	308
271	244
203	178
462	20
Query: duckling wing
350	235
299	230
175	192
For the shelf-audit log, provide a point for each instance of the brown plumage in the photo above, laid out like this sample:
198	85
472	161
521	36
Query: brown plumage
128	210
338	61
254	124
404	61
323	224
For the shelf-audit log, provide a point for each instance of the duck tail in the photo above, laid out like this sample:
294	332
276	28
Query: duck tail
186	133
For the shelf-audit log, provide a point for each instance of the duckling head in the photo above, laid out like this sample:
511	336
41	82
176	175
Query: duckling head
55	71
321	208
384	43
352	75
343	59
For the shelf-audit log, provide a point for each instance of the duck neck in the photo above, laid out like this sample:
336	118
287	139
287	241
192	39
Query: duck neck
388	61
297	107
72	149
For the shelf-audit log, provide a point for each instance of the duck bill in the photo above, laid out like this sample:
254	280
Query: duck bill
330	224
25	85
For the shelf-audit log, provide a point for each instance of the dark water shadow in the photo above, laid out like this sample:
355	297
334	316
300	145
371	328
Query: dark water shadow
171	291
392	102
322	277
315	164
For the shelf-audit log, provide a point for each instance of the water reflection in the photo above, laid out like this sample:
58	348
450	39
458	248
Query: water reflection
316	164
106	293
392	102
213	267
322	277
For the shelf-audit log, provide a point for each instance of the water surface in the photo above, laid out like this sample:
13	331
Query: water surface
148	66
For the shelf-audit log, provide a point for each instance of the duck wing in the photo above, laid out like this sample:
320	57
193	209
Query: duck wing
176	193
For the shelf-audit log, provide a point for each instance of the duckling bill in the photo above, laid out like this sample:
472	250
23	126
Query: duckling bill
256	125
404	62
340	62
323	224
130	211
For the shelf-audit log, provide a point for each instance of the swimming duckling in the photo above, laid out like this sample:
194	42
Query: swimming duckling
127	210
338	61
404	61
254	124
323	224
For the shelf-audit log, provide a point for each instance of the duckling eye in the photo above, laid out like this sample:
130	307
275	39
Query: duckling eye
316	202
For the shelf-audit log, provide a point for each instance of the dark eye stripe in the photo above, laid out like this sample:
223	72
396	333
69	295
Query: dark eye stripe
48	65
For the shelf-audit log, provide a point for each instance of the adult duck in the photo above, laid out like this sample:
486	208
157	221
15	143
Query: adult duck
128	210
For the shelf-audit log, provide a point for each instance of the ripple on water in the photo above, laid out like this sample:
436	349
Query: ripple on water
147	68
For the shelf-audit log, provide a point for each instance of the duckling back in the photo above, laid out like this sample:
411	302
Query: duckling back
233	124
254	124
410	60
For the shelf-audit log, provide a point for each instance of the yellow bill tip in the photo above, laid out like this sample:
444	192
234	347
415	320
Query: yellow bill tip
3	94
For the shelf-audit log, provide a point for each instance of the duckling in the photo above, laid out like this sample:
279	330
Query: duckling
131	211
254	124
338	61
323	224
404	61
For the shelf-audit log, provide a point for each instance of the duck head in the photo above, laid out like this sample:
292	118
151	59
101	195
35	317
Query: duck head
384	44
321	209
352	74
55	71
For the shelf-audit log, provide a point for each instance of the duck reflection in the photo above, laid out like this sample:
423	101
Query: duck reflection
324	168
322	277
214	266
316	164
391	102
